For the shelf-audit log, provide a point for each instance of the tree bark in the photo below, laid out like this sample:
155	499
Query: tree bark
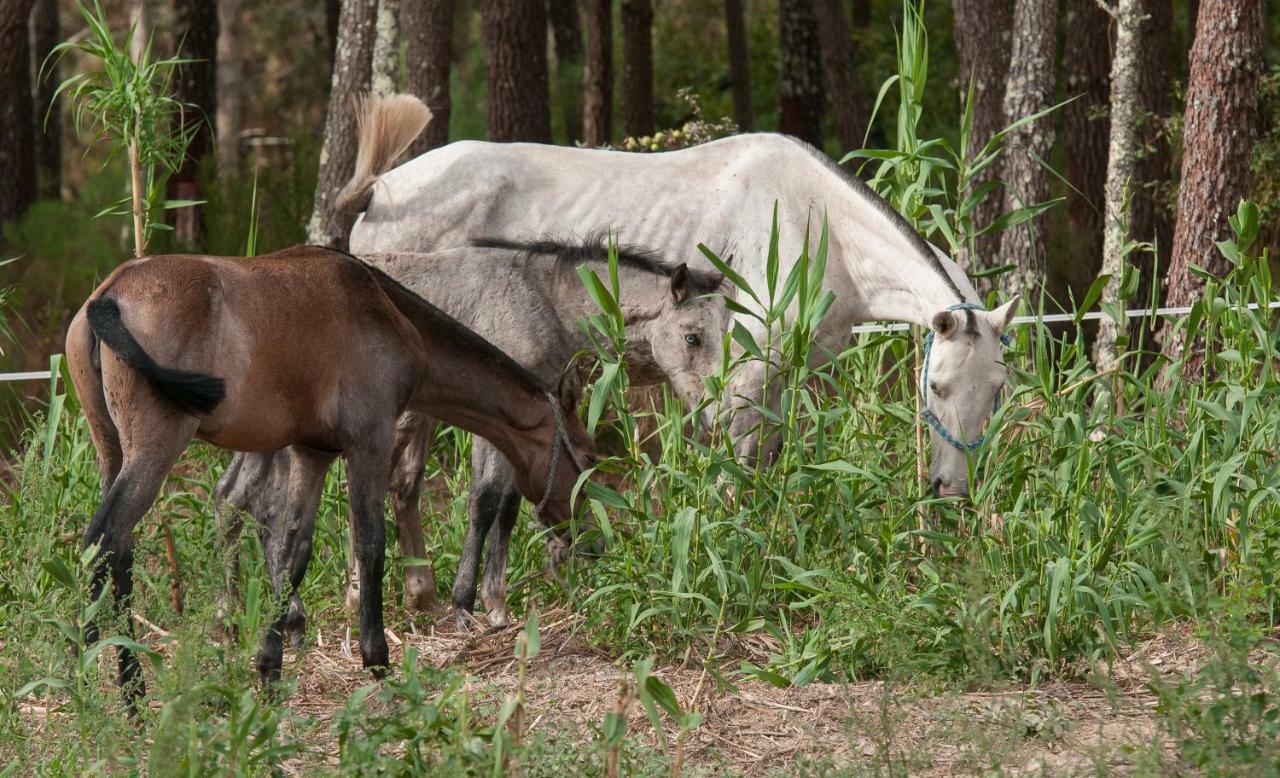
332	15
1220	127
197	86
1121	164
384	80
739	65
840	78
566	34
351	74
1028	89
597	101
1087	127
18	183
428	31
517	95
637	67
1151	212
45	35
800	81
861	14
230	104
982	48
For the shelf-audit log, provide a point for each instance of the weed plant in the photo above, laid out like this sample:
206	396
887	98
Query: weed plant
1106	509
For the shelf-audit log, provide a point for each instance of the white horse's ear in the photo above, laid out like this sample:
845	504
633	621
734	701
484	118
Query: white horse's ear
1001	316
944	324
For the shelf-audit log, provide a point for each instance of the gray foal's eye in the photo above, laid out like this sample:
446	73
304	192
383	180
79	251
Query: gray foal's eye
693	339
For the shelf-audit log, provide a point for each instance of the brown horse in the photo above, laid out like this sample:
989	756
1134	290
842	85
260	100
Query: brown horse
310	349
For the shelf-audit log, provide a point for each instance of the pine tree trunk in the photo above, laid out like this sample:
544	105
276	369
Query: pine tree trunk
1028	89
739	65
517	94
197	86
18	182
428	31
385	77
351	74
1121	165
332	15
637	67
840	78
1086	125
597	100
1152	221
982	47
566	33
861	14
1220	127
45	35
230	117
800	81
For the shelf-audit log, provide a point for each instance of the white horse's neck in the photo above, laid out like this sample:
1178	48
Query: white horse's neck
892	277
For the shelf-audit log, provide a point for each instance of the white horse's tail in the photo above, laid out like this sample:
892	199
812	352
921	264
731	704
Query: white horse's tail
387	125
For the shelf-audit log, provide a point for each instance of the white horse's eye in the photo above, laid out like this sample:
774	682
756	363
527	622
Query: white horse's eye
933	387
693	339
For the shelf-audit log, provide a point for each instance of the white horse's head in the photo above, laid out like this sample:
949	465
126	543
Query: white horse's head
960	385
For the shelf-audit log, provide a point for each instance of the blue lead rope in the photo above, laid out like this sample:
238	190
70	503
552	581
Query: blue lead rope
932	417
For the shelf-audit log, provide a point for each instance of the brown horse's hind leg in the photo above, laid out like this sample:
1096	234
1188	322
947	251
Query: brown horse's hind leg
286	537
87	378
111	529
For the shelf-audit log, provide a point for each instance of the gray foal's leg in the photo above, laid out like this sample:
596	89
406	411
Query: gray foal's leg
414	435
493	589
287	546
484	501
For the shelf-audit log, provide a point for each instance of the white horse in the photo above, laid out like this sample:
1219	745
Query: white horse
722	194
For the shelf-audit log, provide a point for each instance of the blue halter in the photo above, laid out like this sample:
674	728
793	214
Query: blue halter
932	417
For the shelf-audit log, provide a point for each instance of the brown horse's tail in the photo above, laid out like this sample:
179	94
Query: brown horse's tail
387	126
194	392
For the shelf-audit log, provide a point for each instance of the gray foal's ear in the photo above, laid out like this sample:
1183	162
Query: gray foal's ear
944	324
680	284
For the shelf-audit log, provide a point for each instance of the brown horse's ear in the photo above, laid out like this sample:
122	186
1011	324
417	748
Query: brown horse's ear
680	284
565	391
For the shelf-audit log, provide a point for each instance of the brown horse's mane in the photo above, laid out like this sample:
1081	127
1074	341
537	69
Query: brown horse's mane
595	248
449	328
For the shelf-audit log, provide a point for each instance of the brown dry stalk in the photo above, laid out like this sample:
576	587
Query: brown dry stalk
620	710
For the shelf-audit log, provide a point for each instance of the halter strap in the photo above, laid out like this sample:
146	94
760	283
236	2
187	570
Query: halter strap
560	441
929	415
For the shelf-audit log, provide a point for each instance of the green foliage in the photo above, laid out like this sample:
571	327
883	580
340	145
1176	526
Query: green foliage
1225	718
128	103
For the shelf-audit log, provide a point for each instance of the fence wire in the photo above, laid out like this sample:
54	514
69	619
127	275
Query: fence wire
861	329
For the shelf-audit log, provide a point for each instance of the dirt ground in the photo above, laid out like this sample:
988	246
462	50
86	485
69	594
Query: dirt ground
1057	728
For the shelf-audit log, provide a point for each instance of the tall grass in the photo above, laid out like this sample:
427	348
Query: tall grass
1099	518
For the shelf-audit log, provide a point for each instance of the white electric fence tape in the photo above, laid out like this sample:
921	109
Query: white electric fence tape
861	329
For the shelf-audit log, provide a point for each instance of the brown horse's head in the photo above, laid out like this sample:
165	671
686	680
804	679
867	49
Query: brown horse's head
554	467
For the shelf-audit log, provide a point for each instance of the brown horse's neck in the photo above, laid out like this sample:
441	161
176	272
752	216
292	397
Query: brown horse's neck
471	383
